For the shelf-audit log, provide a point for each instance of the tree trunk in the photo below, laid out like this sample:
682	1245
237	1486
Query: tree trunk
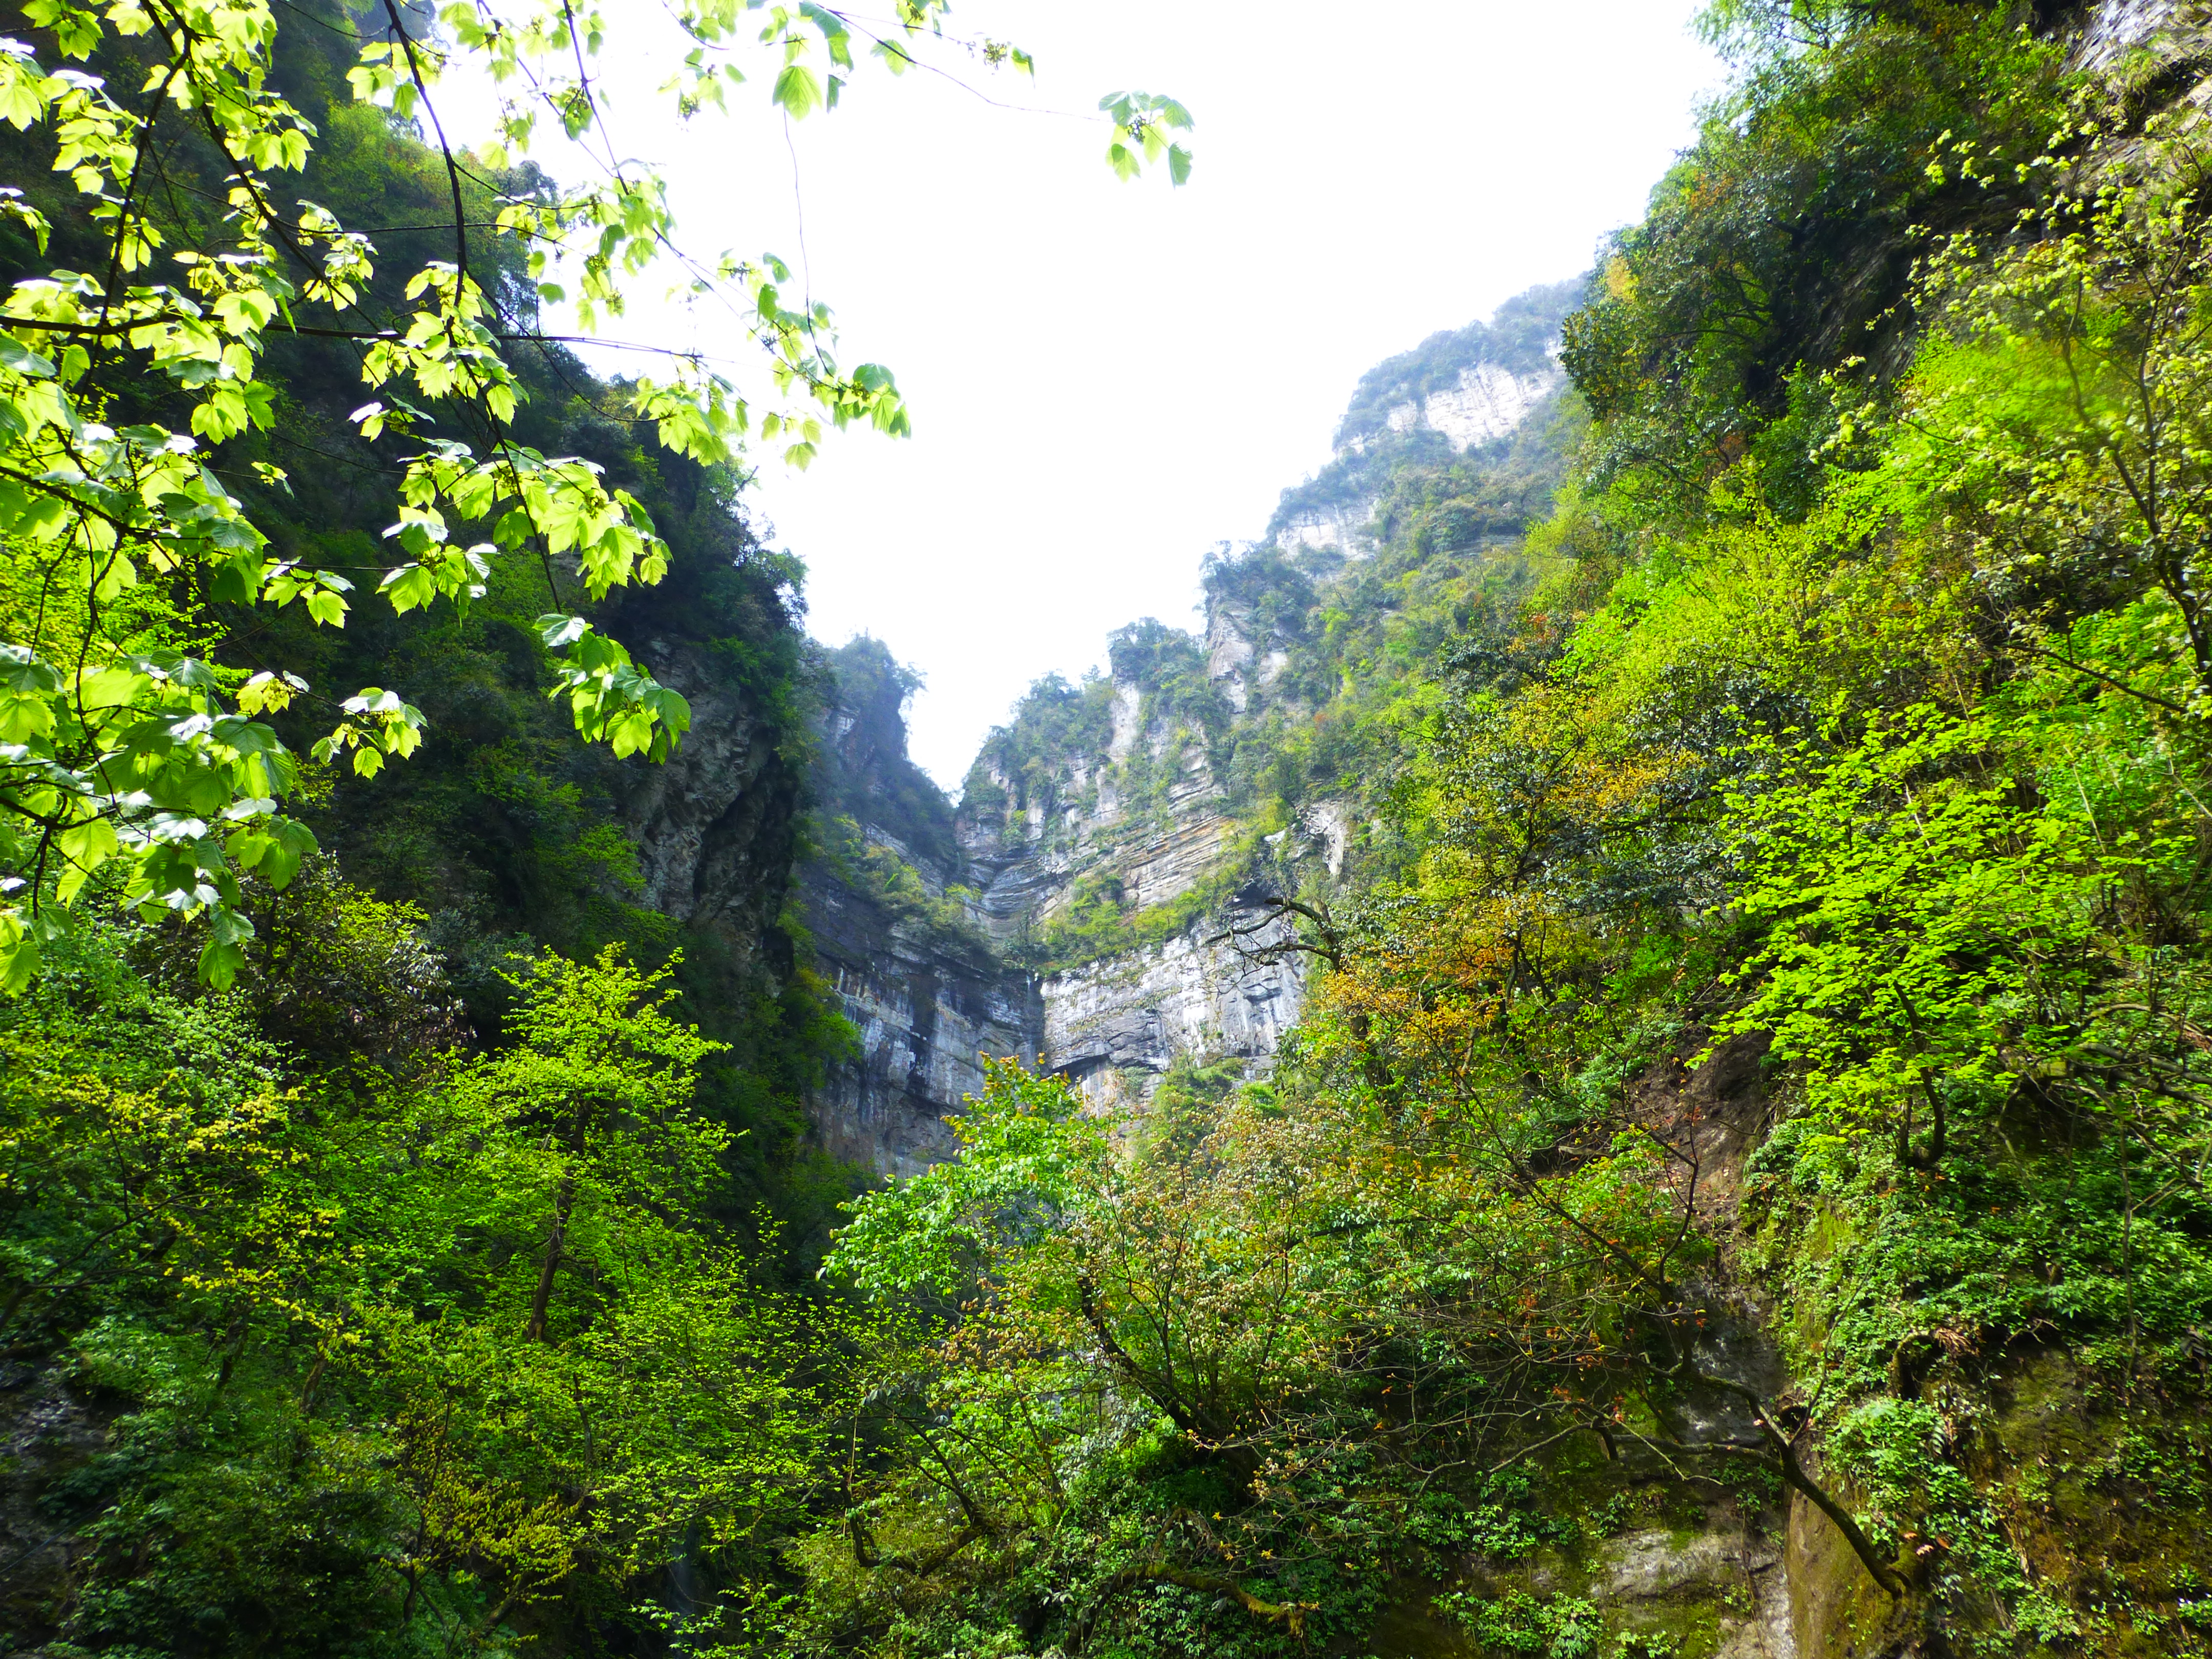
1786	1464
564	1195
564	1201
1794	1476
1292	1615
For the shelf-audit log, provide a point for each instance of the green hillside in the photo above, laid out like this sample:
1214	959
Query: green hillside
1737	1185
288	1362
1747	1138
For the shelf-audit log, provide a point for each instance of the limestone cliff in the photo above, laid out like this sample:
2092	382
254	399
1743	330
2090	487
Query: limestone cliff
1457	391
1100	903
927	990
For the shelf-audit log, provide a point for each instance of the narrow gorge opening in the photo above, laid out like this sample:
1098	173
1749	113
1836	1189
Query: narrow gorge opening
1609	1058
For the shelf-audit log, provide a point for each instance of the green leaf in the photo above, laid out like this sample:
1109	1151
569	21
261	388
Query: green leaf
23	669
111	688
24	718
85	847
670	706
293	844
238	580
15	354
798	90
19	959
409	586
224	954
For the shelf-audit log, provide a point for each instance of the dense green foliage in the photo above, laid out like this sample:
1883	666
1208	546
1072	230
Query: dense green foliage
360	1320
1759	1052
1754	1076
398	1356
406	1230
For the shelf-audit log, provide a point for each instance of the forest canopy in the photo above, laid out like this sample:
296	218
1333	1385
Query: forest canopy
1751	1106
403	1215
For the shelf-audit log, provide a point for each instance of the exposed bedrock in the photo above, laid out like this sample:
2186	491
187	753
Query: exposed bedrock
1099	901
925	1014
1115	1025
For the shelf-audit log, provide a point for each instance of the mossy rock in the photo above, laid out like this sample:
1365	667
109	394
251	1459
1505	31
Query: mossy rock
2109	1507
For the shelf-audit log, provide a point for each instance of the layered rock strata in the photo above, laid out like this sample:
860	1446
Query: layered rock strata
1099	904
1115	1025
926	1011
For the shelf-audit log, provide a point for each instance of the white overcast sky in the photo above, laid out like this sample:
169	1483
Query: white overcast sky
1107	380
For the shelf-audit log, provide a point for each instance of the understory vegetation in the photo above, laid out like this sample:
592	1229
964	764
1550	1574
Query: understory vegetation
1755	1082
1754	1103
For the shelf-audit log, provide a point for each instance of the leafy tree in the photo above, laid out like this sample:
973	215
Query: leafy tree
430	1357
1786	240
130	737
584	1118
2057	420
1762	1044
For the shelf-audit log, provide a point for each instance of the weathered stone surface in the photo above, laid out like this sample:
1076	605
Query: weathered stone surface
1656	1562
45	1432
926	1002
1488	402
1343	527
1746	1576
2121	25
715	826
1115	1025
1837	1610
925	1015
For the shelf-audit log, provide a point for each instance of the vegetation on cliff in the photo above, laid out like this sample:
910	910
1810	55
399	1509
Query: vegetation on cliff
1337	655
1755	1085
405	1227
1757	1078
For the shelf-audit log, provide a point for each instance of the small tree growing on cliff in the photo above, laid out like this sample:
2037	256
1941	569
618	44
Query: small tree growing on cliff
576	1364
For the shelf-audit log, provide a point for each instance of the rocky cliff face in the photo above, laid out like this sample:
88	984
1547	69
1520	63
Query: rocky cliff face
1486	402
1101	901
1116	1025
715	825
895	936
1454	393
927	1011
931	946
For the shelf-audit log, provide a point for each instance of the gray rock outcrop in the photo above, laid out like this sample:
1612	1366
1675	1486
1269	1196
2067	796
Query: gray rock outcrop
1100	904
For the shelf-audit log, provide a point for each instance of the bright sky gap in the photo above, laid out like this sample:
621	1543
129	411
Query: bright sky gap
1110	380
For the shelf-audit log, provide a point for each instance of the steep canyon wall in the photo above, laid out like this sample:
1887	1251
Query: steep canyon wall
1102	901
